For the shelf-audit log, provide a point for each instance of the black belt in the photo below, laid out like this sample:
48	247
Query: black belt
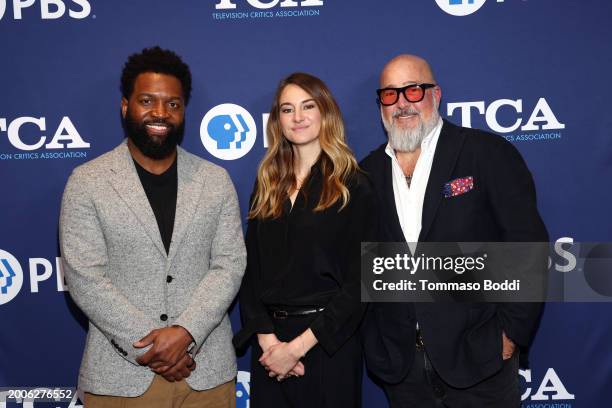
283	314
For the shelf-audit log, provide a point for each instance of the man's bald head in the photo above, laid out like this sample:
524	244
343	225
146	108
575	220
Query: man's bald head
409	67
408	123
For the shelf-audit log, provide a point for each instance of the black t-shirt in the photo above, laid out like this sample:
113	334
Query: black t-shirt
161	191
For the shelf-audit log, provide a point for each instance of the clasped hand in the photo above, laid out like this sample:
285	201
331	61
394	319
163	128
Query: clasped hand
168	355
280	359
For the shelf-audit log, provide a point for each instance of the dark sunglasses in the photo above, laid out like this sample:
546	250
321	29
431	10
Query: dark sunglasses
413	93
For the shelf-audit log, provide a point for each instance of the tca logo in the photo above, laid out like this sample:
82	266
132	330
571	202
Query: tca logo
65	136
49	9
550	387
541	113
228	131
262	5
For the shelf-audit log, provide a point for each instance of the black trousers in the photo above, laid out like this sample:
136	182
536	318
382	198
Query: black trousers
423	388
329	382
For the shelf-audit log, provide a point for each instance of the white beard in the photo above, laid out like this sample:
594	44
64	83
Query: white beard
409	140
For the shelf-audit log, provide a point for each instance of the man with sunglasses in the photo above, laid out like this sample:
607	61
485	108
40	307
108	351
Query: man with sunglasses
438	182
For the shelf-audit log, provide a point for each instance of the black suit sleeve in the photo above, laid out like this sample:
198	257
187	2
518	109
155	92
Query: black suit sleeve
513	198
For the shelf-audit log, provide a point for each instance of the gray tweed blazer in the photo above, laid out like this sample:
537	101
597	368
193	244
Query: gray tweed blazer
116	267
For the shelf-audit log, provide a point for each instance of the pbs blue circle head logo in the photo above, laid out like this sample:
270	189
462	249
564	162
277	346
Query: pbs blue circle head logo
243	389
228	131
460	7
2	8
11	277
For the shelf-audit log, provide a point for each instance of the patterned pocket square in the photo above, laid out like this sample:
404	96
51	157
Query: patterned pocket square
458	186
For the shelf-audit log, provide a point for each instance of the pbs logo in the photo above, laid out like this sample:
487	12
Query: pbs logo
243	389
47	9
11	277
460	7
228	131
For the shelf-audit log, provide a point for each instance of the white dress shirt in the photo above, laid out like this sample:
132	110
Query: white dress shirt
409	201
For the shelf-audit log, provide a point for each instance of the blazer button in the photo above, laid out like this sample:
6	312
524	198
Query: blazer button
169	278
124	353
163	317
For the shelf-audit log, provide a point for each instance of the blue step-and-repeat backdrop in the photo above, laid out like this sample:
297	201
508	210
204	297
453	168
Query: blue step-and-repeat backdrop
535	71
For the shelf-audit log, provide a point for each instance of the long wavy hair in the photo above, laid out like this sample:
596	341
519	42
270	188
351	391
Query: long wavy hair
276	175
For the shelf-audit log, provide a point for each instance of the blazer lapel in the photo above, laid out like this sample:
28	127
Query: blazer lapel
379	168
389	197
125	181
448	148
189	190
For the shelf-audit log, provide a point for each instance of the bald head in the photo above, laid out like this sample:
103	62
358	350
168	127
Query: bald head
409	119
407	69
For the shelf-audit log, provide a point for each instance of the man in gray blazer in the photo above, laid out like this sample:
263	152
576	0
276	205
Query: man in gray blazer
153	254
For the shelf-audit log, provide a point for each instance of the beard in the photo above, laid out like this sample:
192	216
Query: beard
154	149
409	140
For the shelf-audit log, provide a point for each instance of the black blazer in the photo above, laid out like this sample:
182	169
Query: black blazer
463	340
